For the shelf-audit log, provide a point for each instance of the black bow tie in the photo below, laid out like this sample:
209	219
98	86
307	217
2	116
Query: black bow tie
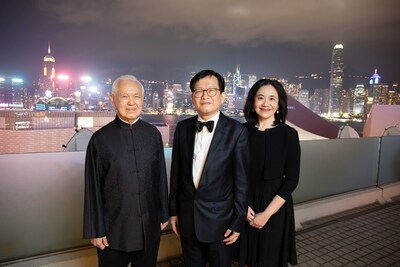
208	124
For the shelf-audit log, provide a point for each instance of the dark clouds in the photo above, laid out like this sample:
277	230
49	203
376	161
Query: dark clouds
239	22
166	37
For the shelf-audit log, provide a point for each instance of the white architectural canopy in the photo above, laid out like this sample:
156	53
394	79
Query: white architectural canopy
380	118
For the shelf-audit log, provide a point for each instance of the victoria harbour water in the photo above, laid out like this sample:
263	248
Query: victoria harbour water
172	119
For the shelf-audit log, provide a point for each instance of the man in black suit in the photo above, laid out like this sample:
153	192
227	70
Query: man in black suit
126	191
208	202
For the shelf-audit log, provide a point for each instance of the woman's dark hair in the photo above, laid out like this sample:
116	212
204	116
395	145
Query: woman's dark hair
205	73
249	113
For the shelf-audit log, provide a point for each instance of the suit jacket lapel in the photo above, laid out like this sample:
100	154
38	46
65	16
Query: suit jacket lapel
190	133
215	142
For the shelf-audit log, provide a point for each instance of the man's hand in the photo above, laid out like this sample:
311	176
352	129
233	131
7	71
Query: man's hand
175	224
100	242
230	237
163	225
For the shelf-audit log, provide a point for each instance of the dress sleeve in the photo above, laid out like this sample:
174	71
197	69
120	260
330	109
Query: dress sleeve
292	165
93	225
240	180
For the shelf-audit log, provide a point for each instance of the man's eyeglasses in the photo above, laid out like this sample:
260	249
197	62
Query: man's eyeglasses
211	92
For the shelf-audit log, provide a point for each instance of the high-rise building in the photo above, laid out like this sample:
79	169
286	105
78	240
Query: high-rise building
47	78
240	98
252	81
336	82
375	87
378	92
168	99
345	104
229	84
394	95
304	97
237	79
48	64
360	101
292	88
156	102
2	91
147	98
13	93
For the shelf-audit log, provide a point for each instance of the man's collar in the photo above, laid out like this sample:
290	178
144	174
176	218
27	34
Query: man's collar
214	118
128	122
124	123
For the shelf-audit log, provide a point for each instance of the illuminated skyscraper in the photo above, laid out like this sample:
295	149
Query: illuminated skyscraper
394	95
252	81
229	83
13	93
304	97
2	91
237	79
345	104
377	90
46	80
360	101
156	101
49	62
147	99
336	80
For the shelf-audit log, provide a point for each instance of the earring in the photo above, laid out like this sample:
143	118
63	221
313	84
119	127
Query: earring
277	111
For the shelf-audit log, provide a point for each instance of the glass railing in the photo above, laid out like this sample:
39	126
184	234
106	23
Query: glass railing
41	194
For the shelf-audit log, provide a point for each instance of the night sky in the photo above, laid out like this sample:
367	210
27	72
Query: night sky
167	39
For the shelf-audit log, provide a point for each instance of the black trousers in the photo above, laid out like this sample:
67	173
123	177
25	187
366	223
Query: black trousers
197	253
116	258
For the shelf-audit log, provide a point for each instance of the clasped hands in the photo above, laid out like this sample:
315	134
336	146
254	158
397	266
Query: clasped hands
256	220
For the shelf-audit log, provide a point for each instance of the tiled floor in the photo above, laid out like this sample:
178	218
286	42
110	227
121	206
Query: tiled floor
367	236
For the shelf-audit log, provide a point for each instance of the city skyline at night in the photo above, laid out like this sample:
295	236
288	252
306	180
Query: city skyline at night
167	40
52	90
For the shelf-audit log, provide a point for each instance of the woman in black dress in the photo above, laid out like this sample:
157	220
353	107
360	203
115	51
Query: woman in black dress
269	237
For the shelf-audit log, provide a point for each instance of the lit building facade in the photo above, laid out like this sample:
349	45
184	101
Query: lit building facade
316	101
156	102
376	90
292	89
336	80
252	81
2	90
304	97
47	79
345	104
13	93
360	101
394	95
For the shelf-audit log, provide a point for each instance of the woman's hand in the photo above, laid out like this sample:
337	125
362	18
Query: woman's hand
260	219
250	214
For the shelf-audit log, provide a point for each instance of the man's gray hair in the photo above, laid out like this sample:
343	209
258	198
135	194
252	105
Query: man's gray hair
125	78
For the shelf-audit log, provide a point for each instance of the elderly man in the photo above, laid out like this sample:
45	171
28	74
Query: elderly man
126	194
208	177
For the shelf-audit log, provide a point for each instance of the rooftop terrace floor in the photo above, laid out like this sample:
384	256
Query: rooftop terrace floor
365	236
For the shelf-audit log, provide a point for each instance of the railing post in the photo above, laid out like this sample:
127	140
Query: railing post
379	160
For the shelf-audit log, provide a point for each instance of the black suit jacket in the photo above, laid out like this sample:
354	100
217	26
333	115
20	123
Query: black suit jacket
220	202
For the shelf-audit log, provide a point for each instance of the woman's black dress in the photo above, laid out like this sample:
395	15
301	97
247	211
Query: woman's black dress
275	163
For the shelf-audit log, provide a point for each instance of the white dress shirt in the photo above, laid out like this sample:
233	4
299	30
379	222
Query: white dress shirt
201	146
